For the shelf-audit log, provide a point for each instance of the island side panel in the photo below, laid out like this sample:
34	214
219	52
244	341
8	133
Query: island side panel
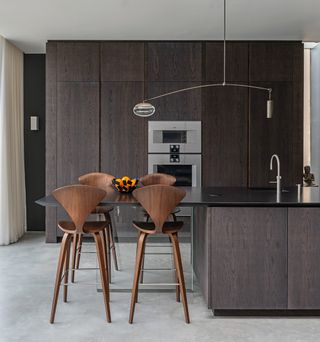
248	258
303	258
201	240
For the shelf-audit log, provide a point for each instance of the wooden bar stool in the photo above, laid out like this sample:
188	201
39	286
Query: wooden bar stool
152	179
159	201
79	201
102	181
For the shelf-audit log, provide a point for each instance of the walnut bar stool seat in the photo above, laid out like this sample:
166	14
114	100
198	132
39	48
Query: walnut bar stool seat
79	201
159	200
104	182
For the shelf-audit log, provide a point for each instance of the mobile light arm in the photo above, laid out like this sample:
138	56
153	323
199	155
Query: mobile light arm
145	108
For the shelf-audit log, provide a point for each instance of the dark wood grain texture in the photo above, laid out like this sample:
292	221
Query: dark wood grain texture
272	61
123	135
78	61
51	137
281	135
249	258
303	258
224	136
78	131
201	250
237	62
182	106
122	61
174	61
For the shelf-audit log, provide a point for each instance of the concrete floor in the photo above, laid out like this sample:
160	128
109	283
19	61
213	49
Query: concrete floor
27	271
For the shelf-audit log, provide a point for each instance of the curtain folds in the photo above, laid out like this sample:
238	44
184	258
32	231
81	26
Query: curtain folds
12	179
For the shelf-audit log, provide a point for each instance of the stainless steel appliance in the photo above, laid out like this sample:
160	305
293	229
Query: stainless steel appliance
174	137
175	148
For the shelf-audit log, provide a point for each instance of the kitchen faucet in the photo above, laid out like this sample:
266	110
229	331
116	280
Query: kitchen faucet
278	178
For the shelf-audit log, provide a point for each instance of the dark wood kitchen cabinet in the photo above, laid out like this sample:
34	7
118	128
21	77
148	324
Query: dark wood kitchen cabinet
78	62
248	258
237	62
282	135
303	258
78	126
123	135
273	61
182	106
280	67
224	136
174	61
122	61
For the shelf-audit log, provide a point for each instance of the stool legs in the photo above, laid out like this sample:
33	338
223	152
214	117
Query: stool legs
177	257
62	257
140	247
79	252
76	238
66	272
103	274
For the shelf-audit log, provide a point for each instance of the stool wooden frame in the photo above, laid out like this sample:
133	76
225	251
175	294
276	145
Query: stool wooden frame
102	181
79	201
159	201
152	179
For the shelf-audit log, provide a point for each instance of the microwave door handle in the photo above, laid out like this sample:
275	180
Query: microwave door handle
194	175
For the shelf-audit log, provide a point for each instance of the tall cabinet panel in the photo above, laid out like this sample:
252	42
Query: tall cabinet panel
174	61
123	135
78	127
225	117
72	117
224	142
280	67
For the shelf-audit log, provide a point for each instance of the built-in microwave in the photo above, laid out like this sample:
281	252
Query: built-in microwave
174	137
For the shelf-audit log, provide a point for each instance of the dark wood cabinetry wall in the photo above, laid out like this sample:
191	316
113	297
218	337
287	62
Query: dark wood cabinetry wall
91	88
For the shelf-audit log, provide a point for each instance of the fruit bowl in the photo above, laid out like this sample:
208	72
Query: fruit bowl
125	184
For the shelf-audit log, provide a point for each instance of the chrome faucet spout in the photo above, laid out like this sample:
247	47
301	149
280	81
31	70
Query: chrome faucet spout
278	163
278	178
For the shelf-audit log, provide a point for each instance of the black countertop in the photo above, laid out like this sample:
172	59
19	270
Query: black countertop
224	197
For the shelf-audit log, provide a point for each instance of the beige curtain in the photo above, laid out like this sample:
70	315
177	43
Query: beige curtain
12	181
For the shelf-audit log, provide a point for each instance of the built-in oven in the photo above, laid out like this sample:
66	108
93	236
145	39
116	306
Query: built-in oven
174	136
185	167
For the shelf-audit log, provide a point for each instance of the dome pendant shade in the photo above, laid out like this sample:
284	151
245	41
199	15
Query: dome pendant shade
144	109
269	109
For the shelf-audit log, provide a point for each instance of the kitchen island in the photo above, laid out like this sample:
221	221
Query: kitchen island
251	252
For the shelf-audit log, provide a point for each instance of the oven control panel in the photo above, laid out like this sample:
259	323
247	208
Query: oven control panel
174	158
174	148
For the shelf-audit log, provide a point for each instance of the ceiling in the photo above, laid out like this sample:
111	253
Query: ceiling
29	24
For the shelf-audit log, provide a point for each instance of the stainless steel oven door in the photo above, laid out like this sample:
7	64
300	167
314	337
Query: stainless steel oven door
185	167
184	136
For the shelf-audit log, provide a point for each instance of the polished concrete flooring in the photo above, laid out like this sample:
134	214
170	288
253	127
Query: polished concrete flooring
27	271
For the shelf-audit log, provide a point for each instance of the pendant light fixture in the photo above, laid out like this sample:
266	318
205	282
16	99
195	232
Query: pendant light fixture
145	108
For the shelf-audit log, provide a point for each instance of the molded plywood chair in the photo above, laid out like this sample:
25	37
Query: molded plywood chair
159	201
152	179
104	182
79	201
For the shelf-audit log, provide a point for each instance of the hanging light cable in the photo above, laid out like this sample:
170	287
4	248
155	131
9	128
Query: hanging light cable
145	108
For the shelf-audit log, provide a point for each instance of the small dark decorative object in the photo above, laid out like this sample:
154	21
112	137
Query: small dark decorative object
308	177
125	184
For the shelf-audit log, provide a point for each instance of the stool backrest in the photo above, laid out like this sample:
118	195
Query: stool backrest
159	200
158	178
79	201
98	179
